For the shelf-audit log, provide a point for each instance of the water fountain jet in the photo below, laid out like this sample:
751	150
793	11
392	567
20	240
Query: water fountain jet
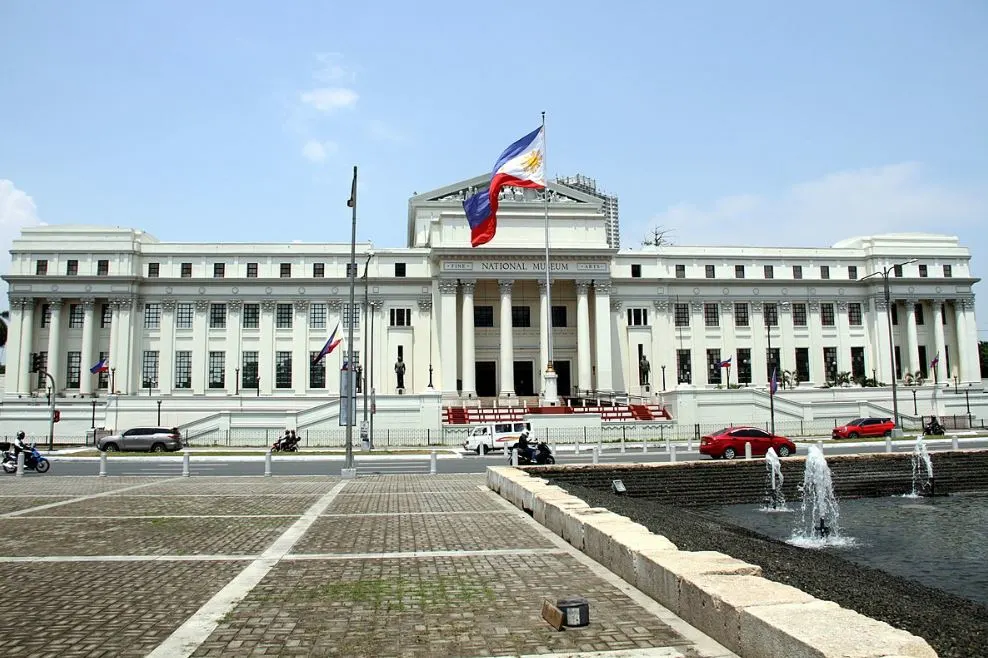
819	523
775	499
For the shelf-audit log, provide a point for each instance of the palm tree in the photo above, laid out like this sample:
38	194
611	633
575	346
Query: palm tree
790	378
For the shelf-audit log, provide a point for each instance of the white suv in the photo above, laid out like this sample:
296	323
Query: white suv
153	439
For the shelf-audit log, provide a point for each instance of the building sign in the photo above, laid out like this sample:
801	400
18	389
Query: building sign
522	266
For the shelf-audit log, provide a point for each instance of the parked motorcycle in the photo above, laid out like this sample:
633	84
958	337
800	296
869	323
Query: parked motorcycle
33	461
934	427
542	456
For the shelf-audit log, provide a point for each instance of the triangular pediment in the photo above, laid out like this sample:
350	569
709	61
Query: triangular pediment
458	192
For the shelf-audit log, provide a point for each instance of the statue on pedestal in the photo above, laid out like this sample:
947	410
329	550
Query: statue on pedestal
643	371
400	372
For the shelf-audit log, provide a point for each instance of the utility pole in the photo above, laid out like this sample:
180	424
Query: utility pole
347	375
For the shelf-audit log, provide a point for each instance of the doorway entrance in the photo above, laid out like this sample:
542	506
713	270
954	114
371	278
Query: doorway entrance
486	373
563	386
524	381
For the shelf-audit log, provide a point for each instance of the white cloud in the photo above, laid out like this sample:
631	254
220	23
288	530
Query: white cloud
893	198
316	151
331	69
17	210
328	99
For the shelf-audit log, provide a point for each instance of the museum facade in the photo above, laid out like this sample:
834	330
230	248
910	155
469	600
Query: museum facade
247	319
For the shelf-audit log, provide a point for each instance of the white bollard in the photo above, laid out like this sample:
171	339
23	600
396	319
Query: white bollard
668	443
622	445
888	444
953	442
672	454
596	454
432	463
102	464
514	456
185	464
267	463
20	464
747	449
644	446
576	447
689	443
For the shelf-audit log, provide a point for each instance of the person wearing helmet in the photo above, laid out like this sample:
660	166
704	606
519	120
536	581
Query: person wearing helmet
20	445
523	446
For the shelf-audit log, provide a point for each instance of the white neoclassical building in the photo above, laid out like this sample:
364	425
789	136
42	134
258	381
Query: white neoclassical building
218	322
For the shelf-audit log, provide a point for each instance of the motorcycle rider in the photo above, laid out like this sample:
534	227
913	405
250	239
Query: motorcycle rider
20	445
523	447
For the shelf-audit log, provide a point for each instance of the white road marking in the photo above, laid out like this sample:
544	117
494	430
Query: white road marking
197	628
119	517
129	558
79	499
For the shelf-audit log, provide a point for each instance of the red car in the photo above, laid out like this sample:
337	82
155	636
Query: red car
729	442
864	427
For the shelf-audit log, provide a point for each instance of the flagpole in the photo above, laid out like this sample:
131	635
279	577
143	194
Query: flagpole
549	391
347	380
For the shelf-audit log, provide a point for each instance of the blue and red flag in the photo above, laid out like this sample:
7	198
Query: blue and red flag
102	366
774	385
520	165
329	346
725	364
935	361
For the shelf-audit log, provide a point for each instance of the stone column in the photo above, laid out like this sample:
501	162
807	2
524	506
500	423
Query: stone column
265	350
300	347
447	336
939	343
911	358
730	341
698	346
55	344
583	363
818	369
126	323
602	329
974	356
545	320
469	367
87	379
166	347
21	338
507	388
200	340
422	379
968	365
234	331
873	352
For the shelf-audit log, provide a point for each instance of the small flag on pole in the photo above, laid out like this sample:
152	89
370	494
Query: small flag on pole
936	361
102	366
329	346
725	364
774	386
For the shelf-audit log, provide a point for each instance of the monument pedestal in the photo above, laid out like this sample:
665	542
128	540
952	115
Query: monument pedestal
550	388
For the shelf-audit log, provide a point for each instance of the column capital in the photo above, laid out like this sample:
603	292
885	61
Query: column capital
468	286
662	305
122	302
447	286
881	304
756	305
866	305
268	304
375	304
202	305
582	287
841	306
301	305
425	303
966	303
602	287
168	304
235	305
616	304
813	305
334	305
541	284
910	303
88	303
21	302
785	306
696	306
504	285
727	306
55	303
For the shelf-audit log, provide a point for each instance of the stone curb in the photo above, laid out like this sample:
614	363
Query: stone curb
723	597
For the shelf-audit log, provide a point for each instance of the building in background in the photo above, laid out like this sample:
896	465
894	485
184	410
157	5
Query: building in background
609	207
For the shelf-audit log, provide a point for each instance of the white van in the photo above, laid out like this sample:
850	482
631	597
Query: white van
495	436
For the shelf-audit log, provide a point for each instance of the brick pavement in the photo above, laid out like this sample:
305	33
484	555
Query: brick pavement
344	581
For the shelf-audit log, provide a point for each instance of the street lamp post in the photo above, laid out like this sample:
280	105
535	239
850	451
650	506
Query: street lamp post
237	376
663	377
364	428
159	413
897	430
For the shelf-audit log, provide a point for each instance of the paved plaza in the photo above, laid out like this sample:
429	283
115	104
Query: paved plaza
411	565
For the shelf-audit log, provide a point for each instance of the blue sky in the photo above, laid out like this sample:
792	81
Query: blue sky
728	123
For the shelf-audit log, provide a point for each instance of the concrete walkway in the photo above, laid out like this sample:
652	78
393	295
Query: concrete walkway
410	566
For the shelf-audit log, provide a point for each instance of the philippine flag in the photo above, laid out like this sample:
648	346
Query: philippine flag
102	366
521	165
329	346
725	364
774	385
935	361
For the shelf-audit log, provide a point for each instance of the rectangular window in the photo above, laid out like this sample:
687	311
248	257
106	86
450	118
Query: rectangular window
217	369
72	268
152	316
898	271
854	314
852	272
797	271
350	315
149	369
772	364
943	314
319	272
285	272
72	370
186	270
317	316
769	271
771	313
154	270
713	366
400	270
283	316
637	317
75	316
217	316
741	314
249	373
919	314
483	316
219	270
803	364
183	369
636	271
42	380
41	267
830	363
559	316
947	271
402	317
824	271
894	307
710	271
521	316
680	271
711	315
45	315
827	314
684	367
744	365
923	271
102	267
103	377
857	363
105	316
898	362
283	369
739	271
252	316
251	270
317	371
799	315
183	315
682	315
924	362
